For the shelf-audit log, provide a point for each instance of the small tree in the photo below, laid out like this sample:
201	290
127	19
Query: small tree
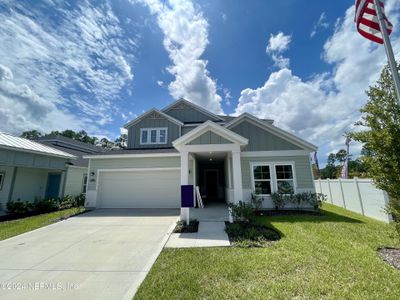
31	134
380	134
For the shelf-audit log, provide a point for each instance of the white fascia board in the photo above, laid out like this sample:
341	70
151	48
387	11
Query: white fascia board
274	130
210	126
67	155
195	106
142	116
211	148
275	153
139	155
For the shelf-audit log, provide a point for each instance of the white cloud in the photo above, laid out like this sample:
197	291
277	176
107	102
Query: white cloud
276	45
73	62
185	39
160	83
322	23
324	107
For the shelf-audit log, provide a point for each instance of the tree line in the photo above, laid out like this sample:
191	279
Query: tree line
80	136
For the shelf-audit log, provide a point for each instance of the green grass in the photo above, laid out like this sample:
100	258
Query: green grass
319	257
15	227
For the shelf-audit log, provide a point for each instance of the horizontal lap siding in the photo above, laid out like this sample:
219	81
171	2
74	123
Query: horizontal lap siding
31	160
260	139
134	132
302	168
122	163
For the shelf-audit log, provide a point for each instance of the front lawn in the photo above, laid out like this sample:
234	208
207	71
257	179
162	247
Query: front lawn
15	227
332	256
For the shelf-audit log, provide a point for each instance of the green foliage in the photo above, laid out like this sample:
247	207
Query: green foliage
380	135
31	134
182	227
243	211
333	168
246	235
44	205
298	200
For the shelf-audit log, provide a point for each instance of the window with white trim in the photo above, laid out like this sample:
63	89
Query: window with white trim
269	177
153	136
262	179
284	179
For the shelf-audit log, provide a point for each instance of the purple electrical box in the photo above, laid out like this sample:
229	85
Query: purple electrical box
187	199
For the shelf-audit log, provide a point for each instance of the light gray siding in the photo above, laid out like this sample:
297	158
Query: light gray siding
30	160
189	114
209	138
260	139
302	169
122	163
134	132
30	184
5	190
74	181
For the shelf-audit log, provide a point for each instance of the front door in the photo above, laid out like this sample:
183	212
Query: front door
211	183
53	185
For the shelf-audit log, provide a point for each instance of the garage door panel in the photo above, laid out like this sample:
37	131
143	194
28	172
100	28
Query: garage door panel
141	189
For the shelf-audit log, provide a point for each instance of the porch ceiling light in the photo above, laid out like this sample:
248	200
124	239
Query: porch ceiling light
210	159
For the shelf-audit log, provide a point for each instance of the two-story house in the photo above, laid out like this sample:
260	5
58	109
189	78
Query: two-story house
227	157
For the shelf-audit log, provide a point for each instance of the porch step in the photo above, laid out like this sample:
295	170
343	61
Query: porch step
210	234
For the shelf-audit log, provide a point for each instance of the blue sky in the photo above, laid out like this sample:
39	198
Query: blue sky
96	65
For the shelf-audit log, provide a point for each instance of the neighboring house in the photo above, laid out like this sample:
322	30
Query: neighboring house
76	174
30	170
184	144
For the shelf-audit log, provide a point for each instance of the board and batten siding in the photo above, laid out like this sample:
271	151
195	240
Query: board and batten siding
186	115
301	164
260	139
74	181
209	137
129	163
134	132
187	129
31	160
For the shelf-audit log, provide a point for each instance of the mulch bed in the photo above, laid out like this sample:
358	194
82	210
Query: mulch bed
181	227
391	256
288	212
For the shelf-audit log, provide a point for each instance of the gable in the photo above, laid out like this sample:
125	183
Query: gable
209	137
187	112
152	120
261	139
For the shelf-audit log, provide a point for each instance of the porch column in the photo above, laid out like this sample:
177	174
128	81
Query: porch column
237	177
184	181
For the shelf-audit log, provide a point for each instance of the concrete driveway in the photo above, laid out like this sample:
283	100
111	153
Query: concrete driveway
103	254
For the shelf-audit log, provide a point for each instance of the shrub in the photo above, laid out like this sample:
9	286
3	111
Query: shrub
243	212
66	202
80	200
393	208
45	205
313	199
279	200
17	207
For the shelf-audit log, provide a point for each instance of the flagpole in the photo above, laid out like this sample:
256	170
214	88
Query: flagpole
389	49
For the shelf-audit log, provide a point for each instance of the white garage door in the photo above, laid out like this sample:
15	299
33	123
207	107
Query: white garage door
139	189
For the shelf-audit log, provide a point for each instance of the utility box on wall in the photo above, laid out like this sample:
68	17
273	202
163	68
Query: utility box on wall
187	199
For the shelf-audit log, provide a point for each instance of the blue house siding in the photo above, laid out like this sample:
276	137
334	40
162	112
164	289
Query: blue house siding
134	132
189	115
260	139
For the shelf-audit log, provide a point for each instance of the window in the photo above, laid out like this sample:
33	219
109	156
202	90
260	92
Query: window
284	179
2	175
150	136
262	180
273	177
84	186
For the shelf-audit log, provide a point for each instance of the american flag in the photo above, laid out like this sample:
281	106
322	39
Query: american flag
367	20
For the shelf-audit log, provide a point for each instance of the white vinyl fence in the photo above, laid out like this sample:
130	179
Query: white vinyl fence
358	195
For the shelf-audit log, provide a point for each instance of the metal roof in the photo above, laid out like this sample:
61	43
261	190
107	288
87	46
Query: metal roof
10	142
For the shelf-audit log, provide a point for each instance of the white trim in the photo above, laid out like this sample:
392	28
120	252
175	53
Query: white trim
211	147
274	130
195	106
158	135
274	180
210	126
67	156
275	153
139	155
138	169
76	167
142	116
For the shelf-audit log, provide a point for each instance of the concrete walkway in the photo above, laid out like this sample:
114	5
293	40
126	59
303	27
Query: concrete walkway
104	254
211	231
